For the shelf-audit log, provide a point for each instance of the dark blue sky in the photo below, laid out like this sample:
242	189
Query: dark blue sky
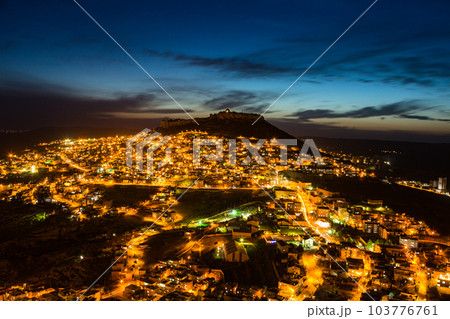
388	77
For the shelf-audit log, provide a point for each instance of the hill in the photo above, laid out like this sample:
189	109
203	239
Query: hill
226	124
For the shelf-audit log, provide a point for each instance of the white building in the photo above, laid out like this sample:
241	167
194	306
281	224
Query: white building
409	242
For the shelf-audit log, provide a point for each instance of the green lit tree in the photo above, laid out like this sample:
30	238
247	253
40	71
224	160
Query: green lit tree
369	245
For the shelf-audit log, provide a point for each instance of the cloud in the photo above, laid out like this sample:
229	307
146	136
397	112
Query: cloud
311	129
393	63
423	117
28	105
402	109
387	64
242	100
384	110
419	58
238	65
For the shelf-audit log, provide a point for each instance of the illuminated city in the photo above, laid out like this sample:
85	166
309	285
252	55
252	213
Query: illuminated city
229	153
206	230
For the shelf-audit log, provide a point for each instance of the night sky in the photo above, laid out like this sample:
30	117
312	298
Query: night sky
387	78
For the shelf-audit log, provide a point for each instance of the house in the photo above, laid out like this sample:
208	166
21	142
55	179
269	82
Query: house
242	232
285	194
235	252
394	250
284	222
323	212
372	228
293	207
443	283
307	242
254	224
355	267
186	284
349	250
402	273
381	283
285	290
409	242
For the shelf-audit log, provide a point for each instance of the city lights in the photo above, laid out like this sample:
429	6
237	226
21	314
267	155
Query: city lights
322	244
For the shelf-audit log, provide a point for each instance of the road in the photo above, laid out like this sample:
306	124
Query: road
420	188
363	280
306	209
308	284
71	163
134	262
420	276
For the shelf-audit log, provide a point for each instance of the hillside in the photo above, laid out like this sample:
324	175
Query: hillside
226	124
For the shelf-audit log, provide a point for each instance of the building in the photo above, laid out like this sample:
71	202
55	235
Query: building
293	207
442	183
243	232
235	252
350	250
402	273
371	227
443	283
409	242
285	194
327	193
375	202
253	223
386	232
357	218
323	212
285	290
355	267
439	184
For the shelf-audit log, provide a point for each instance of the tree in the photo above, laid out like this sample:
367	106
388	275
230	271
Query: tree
369	245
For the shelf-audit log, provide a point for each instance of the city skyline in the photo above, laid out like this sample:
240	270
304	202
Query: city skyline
385	79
